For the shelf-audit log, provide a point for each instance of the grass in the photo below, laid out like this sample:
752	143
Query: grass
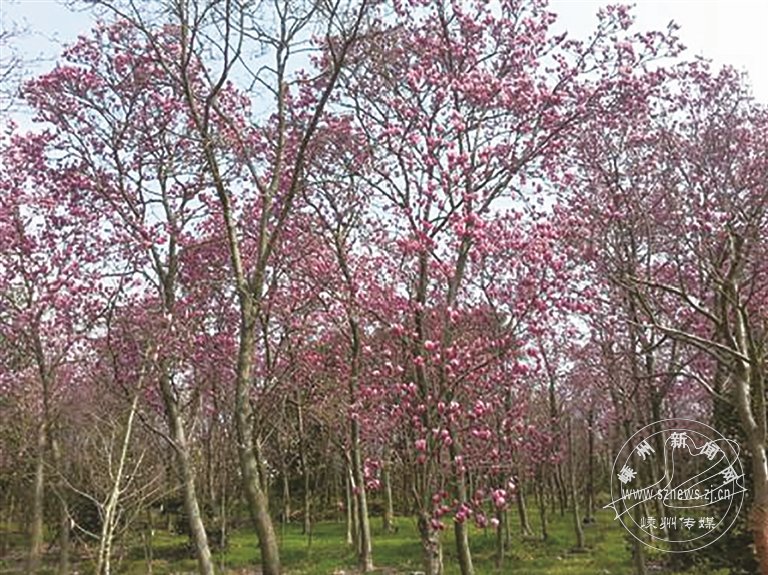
400	552
607	551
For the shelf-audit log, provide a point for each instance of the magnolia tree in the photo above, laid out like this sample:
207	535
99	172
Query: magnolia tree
256	162
465	108
50	299
123	127
111	476
684	181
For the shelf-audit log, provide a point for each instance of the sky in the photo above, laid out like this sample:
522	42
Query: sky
726	31
729	32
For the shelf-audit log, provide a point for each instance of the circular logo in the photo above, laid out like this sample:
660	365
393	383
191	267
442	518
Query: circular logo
679	482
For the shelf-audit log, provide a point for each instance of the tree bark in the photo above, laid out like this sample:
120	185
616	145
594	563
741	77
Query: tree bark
365	556
500	543
431	547
591	466
562	493
38	493
758	516
574	496
307	501
754	425
522	510
64	521
148	536
109	510
354	513
542	508
461	532
388	516
187	475
461	528
43	436
64	539
365	548
256	497
286	496
348	507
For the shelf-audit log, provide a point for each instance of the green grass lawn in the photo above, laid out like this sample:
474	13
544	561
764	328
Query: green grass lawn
400	552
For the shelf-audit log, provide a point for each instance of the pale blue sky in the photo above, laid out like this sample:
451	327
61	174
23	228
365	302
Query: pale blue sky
728	31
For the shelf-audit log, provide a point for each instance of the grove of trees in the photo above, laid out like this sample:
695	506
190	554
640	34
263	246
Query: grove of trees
422	259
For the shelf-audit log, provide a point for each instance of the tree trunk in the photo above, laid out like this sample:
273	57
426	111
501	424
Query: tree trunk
525	526
109	510
365	549
224	528
591	466
192	509
758	516
755	428
638	554
255	496
365	557
542	509
286	497
148	536
38	494
574	497
638	547
307	506
350	515
461	528
64	522
355	522
430	544
461	531
500	543
186	473
562	493
553	494
307	501
64	539
388	517
258	505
